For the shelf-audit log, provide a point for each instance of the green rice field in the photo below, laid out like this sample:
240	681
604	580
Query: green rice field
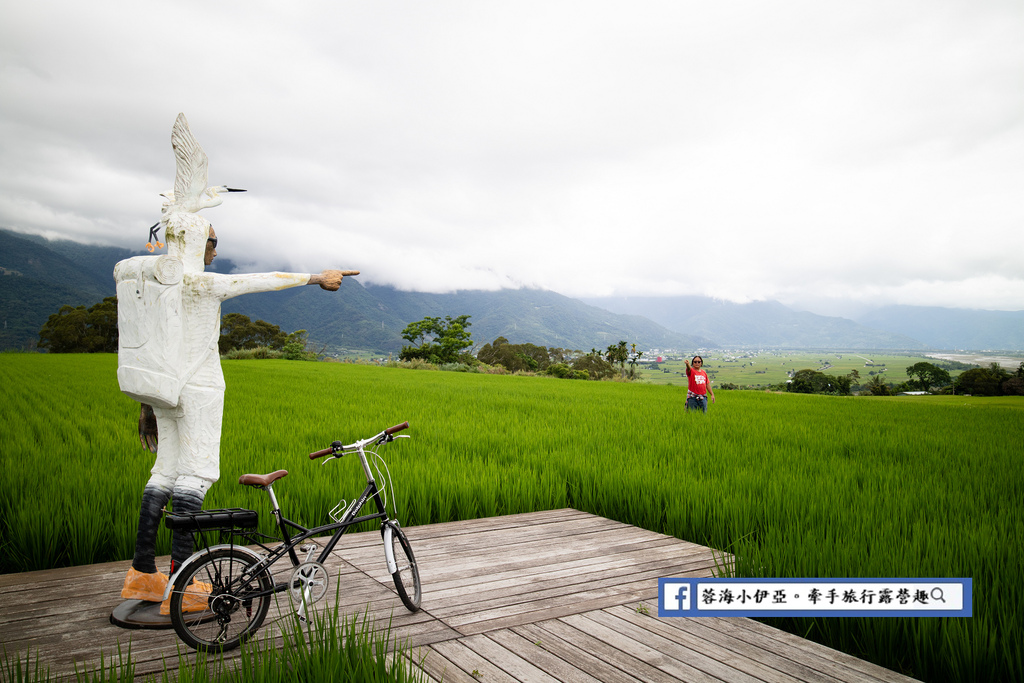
794	485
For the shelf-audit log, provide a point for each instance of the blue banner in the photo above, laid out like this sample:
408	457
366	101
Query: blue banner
686	597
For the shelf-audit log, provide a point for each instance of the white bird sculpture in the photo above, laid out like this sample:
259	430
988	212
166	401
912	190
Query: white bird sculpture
190	192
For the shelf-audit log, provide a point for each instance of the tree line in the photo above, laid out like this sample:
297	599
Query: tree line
991	381
77	329
445	341
922	376
94	330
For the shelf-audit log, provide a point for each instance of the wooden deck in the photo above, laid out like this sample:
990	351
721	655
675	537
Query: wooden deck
560	595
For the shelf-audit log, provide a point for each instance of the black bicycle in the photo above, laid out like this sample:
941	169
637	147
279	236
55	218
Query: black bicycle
221	594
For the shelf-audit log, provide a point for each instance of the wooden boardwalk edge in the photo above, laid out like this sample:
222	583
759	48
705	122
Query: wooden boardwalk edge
558	595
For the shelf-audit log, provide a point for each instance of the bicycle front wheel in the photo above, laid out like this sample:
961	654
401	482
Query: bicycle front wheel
406	574
217	604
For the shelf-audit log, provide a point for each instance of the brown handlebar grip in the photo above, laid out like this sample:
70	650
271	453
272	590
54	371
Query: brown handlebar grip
397	428
320	454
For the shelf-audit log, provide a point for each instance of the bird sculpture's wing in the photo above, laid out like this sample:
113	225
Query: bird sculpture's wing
191	161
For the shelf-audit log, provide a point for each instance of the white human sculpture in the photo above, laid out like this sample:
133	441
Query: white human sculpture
168	358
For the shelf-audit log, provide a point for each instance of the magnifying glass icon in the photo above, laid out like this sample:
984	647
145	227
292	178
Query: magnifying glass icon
937	594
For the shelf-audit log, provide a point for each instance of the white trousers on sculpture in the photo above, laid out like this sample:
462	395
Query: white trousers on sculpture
188	449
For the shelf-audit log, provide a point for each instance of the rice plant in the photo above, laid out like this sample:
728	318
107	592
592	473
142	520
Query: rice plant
794	485
333	647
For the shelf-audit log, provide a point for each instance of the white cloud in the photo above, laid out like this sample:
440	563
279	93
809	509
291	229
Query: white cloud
800	151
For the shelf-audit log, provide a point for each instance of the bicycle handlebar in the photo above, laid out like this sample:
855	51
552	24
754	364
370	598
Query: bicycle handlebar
338	447
397	428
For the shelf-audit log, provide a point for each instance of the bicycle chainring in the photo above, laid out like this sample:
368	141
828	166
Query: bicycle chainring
308	582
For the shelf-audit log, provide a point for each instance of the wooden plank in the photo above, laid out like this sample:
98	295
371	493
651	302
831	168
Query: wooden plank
406	659
527	562
638	649
814	655
587	644
543	659
439	667
469	548
700	658
758	662
574	655
471	662
568	575
506	660
504	616
514	521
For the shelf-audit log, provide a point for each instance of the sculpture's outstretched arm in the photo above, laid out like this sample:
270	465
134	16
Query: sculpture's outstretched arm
229	286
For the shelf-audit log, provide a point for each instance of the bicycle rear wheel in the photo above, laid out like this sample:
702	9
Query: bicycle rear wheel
215	606
407	574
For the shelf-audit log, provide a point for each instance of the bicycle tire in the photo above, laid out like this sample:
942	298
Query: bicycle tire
407	574
229	618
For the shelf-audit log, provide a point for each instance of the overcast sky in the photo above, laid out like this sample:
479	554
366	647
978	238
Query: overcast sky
825	155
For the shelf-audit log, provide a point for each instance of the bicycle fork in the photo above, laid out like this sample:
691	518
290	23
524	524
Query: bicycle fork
389	549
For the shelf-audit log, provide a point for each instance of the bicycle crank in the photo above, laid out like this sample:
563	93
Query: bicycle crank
308	583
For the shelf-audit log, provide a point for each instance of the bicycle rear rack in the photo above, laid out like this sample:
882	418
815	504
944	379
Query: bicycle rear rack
213	525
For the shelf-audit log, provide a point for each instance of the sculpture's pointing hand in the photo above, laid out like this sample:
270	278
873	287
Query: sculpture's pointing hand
331	279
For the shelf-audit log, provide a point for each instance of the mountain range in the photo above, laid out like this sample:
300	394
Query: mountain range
38	276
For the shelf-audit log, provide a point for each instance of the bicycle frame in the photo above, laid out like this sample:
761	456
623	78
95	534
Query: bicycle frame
289	543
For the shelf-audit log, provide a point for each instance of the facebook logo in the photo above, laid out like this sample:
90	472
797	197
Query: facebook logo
673	597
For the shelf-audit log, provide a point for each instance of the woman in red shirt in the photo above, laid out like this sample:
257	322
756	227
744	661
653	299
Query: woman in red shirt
700	386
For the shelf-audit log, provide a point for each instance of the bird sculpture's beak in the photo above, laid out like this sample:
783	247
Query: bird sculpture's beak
232	189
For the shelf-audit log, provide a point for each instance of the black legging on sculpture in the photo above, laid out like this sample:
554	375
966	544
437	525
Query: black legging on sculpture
153	501
185	500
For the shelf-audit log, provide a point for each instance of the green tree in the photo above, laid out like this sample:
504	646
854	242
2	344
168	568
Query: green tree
876	386
840	384
634	356
809	381
435	340
564	371
594	365
515	357
560	355
618	353
1014	386
296	347
81	329
927	376
239	332
982	381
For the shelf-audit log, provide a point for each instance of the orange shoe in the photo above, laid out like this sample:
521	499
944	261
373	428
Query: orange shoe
140	586
196	598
